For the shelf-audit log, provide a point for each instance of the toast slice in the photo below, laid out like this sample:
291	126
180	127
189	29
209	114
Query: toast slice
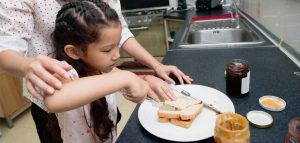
191	112
163	120
186	114
181	123
177	122
181	103
180	112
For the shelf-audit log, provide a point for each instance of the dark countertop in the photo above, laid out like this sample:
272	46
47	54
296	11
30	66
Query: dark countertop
272	73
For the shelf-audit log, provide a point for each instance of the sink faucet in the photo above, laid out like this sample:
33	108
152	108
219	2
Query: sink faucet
236	15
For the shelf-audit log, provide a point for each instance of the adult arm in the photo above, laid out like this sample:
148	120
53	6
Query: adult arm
133	48
17	24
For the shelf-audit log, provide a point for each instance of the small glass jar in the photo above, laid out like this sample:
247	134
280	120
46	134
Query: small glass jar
231	128
238	78
293	135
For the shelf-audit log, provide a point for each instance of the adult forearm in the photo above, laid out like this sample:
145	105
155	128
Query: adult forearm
13	63
133	48
85	90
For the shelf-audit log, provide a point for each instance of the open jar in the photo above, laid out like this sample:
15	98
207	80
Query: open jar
237	78
231	128
293	135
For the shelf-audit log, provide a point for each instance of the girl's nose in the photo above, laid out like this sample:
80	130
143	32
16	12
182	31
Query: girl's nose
116	55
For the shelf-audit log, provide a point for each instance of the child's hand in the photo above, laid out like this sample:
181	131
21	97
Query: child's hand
137	89
159	88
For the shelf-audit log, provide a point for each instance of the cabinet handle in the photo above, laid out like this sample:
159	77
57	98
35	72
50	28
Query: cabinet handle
139	28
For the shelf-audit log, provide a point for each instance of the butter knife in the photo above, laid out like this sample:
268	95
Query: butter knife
186	93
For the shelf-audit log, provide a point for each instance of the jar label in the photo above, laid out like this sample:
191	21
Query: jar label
245	84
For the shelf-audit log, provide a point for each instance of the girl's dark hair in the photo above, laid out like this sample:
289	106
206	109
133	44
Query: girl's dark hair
80	24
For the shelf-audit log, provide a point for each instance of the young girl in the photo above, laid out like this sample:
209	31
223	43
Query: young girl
87	36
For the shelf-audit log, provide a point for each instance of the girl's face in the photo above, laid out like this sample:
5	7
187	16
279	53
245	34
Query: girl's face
103	54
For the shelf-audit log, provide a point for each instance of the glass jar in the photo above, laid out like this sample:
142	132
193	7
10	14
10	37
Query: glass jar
237	78
231	128
293	135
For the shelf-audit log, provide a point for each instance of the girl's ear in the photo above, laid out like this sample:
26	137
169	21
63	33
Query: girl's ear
72	52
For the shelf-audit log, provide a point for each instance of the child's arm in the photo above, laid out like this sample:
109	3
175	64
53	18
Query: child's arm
85	90
159	89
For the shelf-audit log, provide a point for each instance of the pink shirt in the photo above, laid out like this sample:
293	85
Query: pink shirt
25	27
74	128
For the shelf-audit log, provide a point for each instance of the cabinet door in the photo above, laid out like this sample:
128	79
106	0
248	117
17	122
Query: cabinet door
11	98
172	26
152	38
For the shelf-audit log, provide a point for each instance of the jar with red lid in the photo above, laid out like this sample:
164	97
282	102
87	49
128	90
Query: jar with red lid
293	135
237	78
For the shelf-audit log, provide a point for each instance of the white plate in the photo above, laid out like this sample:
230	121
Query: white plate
203	125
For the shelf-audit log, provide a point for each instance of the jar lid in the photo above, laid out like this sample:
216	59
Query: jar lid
272	103
259	119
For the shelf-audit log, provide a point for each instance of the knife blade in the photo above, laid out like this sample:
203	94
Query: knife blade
186	93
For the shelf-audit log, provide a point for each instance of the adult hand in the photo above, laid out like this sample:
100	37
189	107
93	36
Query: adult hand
159	88
39	75
164	72
137	89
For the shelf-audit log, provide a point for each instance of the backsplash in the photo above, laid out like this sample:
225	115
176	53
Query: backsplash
281	17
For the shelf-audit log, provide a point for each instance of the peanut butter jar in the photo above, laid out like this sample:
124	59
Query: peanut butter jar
231	128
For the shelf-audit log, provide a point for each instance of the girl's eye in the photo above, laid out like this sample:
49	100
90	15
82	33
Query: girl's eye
106	51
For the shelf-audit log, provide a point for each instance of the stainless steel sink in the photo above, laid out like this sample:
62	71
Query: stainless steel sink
219	33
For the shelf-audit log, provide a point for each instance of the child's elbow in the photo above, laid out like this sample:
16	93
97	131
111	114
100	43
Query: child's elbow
51	105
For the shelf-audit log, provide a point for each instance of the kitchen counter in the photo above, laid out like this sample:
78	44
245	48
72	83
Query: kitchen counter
272	73
186	14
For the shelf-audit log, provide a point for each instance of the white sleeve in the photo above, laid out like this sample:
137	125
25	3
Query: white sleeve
125	31
16	25
126	34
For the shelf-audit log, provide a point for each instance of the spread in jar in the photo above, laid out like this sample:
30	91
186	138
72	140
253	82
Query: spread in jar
231	128
237	78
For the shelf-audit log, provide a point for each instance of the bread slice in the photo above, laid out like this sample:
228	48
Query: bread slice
181	123
191	112
182	102
168	114
186	114
163	120
180	112
177	122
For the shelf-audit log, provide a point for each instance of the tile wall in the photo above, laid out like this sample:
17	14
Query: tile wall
280	17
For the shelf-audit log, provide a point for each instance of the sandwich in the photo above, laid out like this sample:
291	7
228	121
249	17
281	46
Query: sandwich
180	112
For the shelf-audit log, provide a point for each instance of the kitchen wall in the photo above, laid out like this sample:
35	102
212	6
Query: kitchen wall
280	17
